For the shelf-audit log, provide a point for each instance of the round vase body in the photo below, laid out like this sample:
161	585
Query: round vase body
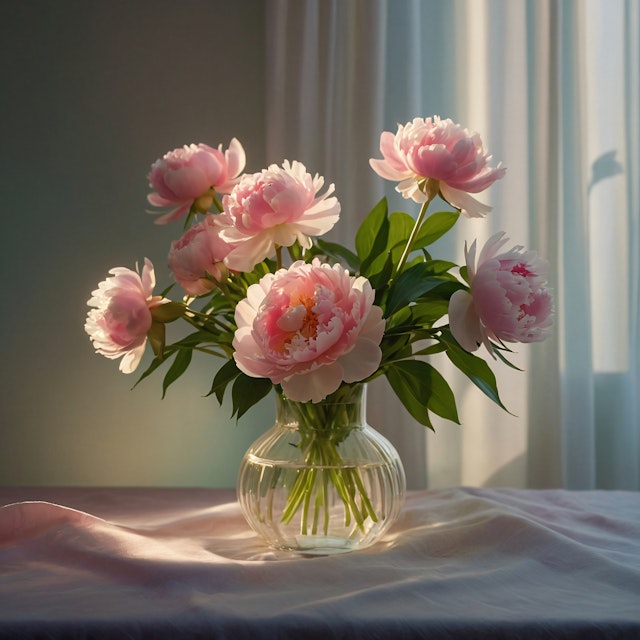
321	480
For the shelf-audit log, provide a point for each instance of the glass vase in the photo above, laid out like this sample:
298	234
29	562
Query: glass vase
321	480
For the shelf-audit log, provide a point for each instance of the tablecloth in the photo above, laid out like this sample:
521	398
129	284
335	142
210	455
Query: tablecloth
181	563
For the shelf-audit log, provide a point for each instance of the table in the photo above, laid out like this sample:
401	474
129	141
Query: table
181	563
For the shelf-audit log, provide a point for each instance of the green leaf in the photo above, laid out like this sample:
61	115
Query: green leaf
409	286
498	352
442	400
475	368
338	252
168	312
226	373
247	391
218	303
434	227
434	304
426	313
440	267
154	364
399	319
198	337
179	366
400	227
404	387
165	293
380	278
396	347
156	336
438	347
426	386
372	236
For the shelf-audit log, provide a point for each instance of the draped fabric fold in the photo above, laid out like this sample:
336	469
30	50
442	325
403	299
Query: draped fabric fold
182	563
553	88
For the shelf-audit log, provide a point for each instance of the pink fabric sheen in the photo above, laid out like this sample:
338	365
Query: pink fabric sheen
309	328
439	150
179	563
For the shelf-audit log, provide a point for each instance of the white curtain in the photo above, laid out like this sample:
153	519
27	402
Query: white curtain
553	88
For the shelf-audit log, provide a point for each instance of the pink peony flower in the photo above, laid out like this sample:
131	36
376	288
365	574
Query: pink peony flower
309	328
118	326
508	299
191	174
273	208
424	151
197	255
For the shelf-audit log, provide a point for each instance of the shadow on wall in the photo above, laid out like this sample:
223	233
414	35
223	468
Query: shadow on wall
94	93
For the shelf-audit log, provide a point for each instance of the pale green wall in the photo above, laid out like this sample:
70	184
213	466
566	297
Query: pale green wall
92	92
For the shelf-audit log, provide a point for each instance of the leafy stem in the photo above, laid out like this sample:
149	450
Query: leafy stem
414	233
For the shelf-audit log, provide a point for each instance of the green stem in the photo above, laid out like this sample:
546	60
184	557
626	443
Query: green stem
212	352
200	320
325	498
414	232
217	202
322	427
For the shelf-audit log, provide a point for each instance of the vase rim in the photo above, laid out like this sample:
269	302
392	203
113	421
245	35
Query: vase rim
358	394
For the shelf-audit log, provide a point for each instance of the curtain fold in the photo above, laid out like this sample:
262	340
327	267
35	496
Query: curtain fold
553	88
574	293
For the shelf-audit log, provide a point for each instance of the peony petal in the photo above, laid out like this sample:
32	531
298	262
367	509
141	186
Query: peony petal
244	314
158	201
386	171
374	324
362	361
439	150
409	188
148	278
464	321
509	295
481	180
119	323
491	247
314	385
296	326
248	253
469	206
393	157
434	161
236	158
131	360
187	183
174	214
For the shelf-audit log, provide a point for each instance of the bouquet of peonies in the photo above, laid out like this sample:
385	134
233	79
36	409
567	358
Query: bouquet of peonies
331	317
285	309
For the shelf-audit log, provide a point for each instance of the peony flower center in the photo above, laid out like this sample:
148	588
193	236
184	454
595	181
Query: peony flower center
309	328
520	269
299	320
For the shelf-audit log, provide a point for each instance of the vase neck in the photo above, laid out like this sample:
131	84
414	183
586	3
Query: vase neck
346	408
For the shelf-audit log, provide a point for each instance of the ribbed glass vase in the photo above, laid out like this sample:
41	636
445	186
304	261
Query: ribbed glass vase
321	480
